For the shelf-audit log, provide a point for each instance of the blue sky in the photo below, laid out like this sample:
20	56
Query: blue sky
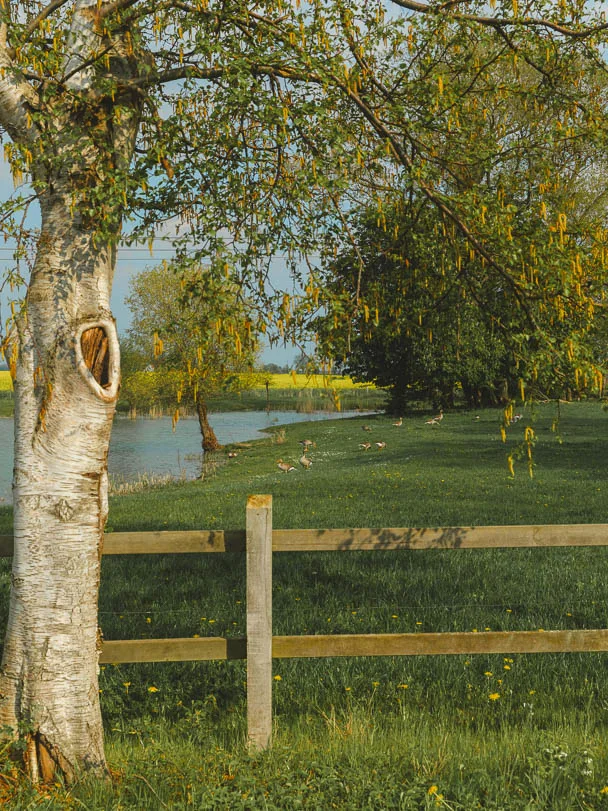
130	262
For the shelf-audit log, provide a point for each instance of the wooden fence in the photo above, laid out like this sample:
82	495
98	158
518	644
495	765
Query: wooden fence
259	541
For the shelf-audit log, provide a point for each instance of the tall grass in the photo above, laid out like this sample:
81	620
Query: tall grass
490	731
305	399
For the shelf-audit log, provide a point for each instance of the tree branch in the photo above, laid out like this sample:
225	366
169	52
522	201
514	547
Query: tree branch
15	97
405	160
499	22
33	24
197	72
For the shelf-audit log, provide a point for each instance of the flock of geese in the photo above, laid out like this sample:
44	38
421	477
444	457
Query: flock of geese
306	463
307	444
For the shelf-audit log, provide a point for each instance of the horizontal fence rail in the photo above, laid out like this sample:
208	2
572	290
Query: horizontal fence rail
341	540
329	645
259	540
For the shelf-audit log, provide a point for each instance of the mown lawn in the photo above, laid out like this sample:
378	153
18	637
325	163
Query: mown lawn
459	732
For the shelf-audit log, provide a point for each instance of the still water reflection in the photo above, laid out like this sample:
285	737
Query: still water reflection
150	446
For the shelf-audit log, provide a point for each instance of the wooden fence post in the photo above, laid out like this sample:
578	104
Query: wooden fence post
259	621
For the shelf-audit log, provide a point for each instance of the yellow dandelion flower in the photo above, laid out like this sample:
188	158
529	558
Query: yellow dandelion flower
148	619
375	684
433	790
402	686
507	667
152	689
488	673
348	689
494	696
278	678
604	790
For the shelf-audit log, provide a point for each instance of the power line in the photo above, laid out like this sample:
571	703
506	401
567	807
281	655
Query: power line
166	250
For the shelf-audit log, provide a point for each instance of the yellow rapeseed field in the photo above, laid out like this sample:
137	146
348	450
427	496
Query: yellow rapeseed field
301	381
6	384
277	381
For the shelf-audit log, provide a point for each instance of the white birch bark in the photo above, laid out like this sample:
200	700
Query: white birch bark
62	430
65	394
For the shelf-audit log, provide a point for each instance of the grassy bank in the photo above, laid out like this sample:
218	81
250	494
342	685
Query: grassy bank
496	732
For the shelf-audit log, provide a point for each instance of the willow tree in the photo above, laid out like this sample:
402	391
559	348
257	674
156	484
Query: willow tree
195	332
254	127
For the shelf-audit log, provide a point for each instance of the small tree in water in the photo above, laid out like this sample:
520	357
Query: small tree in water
196	332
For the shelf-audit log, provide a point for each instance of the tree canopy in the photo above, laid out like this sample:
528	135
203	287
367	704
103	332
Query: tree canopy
260	128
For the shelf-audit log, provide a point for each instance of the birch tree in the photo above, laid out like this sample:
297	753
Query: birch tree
254	127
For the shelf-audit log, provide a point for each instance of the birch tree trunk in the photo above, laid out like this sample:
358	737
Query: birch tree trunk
66	386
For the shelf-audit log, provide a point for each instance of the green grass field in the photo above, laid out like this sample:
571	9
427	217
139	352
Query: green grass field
460	732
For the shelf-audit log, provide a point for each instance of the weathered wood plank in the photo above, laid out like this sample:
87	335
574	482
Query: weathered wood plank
299	647
388	539
335	540
189	649
285	647
259	621
169	542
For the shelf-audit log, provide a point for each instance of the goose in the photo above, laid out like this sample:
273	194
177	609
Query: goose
365	446
365	428
307	443
435	420
285	467
305	461
399	423
380	445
